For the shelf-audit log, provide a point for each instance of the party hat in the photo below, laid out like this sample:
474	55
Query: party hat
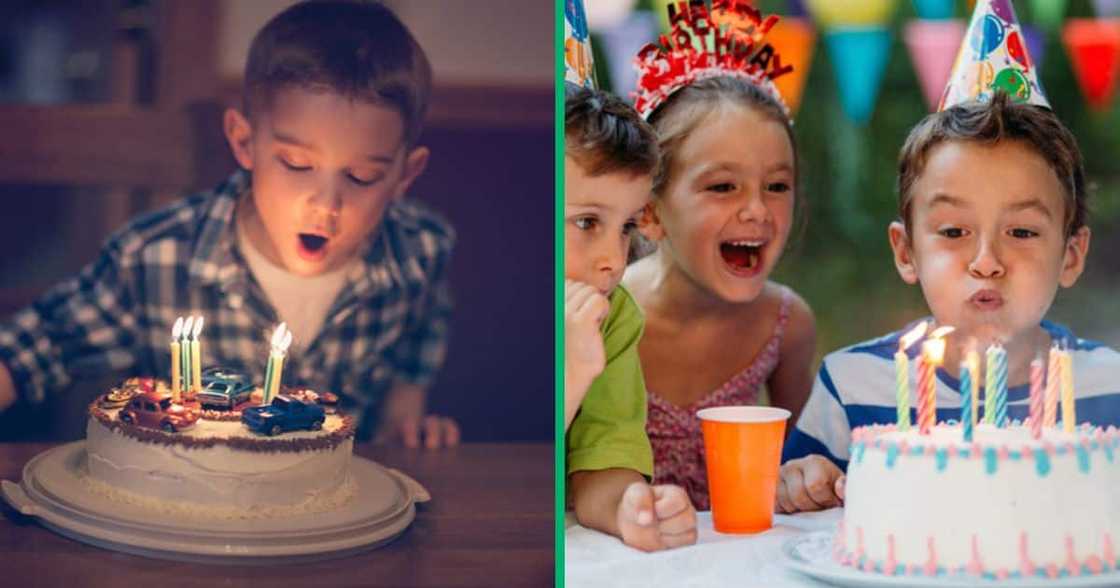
993	57
729	39
578	66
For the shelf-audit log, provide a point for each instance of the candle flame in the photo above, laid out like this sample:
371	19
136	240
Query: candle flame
940	332
187	326
278	338
287	341
913	335
934	350
197	328
177	330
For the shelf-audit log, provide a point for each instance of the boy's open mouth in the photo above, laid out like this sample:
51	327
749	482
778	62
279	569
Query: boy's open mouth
743	256
311	246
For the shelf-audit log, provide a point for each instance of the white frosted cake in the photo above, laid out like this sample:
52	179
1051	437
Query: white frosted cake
1005	506
218	467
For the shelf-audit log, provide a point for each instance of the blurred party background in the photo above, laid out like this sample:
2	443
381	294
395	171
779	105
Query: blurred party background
866	72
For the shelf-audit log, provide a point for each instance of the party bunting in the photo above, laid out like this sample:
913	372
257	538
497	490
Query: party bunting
993	57
1093	46
794	39
1107	8
1036	44
859	56
932	44
578	67
1048	13
847	13
934	9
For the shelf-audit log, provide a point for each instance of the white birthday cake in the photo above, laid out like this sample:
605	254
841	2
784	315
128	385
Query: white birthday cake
1005	506
288	457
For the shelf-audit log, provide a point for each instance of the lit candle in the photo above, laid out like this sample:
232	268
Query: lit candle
1036	397
1053	386
281	339
1069	411
176	360
972	357
993	381
933	352
902	374
185	346
196	357
1001	387
967	419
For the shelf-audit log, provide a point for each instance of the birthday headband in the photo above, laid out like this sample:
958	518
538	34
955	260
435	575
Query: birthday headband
727	40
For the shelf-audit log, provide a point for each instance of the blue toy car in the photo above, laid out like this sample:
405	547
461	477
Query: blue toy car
284	414
224	388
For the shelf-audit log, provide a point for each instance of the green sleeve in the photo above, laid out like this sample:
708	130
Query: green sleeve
609	431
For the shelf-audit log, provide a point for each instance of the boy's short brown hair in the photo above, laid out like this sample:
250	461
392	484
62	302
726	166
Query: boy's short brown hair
989	123
355	48
603	134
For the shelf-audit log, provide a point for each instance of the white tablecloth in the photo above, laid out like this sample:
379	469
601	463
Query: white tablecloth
595	559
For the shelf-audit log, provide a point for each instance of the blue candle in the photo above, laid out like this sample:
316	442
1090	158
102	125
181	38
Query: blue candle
1001	387
966	401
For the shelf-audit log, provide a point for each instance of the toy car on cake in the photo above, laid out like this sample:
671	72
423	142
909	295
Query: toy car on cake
284	414
155	410
224	388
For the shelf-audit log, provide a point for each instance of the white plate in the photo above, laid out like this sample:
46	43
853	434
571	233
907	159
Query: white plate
811	554
52	491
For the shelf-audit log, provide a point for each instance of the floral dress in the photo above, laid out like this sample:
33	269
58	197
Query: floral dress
674	431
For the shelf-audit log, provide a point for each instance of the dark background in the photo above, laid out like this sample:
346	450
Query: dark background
111	108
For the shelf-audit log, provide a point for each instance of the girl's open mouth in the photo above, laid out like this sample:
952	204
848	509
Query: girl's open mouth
743	257
312	247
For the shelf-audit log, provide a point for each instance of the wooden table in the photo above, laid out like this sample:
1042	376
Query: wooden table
489	523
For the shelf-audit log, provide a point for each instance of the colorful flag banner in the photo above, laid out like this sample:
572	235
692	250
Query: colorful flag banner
859	56
932	45
1093	46
794	39
934	9
852	13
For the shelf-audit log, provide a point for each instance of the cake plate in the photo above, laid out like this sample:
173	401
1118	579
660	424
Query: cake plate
811	554
52	490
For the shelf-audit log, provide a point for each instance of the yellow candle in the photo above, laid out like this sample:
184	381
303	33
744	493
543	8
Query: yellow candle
176	331
1069	411
275	387
196	357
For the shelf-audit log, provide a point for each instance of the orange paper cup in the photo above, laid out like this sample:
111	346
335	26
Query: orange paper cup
743	447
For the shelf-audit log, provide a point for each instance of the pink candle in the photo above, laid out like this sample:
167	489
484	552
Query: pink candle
1036	397
925	399
1053	384
933	353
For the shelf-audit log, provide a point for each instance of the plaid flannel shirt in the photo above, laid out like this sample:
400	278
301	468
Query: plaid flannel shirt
389	324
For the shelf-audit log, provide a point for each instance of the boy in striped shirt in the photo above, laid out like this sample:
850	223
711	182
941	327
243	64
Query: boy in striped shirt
991	223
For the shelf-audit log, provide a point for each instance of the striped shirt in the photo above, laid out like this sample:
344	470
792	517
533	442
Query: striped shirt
856	386
387	325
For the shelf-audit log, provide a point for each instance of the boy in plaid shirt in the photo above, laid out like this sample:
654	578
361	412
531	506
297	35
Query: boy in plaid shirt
313	231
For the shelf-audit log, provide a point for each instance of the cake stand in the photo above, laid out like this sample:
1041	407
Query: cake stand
811	554
52	491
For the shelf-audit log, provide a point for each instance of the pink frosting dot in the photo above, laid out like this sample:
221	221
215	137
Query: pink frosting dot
1051	571
1002	452
930	449
1001	574
1094	564
952	451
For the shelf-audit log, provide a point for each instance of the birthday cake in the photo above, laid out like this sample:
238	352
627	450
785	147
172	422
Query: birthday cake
179	458
1005	506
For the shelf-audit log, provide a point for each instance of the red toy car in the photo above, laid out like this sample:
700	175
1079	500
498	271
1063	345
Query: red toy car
155	409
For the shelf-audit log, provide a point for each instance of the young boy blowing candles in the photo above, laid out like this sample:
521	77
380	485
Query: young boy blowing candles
313	231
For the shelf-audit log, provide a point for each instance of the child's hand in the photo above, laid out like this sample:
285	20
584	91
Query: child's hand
810	483
585	308
432	431
656	517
